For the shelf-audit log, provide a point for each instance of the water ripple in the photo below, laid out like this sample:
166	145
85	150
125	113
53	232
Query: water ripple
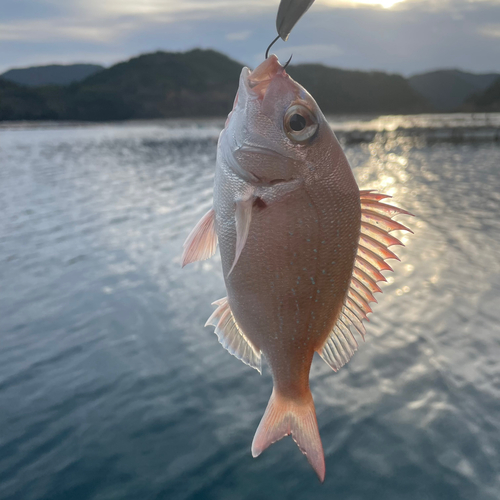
110	387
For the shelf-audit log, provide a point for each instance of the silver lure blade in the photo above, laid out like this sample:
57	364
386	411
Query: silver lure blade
289	12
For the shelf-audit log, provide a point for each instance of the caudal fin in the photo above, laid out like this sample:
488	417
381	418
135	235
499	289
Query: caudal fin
285	416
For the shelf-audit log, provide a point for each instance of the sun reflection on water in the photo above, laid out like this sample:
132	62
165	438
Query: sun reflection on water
391	123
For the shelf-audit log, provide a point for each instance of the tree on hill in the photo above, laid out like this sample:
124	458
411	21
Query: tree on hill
343	91
162	84
195	84
488	101
21	103
448	89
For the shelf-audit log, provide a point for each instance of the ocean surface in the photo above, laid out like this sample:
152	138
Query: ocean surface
111	388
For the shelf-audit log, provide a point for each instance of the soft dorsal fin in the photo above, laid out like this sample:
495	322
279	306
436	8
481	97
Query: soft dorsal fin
370	260
231	337
202	240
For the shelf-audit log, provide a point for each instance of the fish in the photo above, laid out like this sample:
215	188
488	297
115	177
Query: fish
302	248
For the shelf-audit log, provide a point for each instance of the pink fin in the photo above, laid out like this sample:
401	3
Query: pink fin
376	247
373	259
297	417
366	280
370	195
376	223
378	234
353	319
370	270
243	218
202	240
349	303
340	345
382	222
231	337
362	290
382	208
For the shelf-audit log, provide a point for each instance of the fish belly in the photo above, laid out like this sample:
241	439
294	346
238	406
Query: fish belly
290	282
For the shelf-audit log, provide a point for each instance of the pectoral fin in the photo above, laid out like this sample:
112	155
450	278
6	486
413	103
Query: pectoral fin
202	241
243	217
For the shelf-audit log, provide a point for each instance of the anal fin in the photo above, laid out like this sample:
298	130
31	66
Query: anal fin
231	336
340	345
202	240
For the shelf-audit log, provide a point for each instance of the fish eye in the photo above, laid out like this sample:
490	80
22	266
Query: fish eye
297	122
300	124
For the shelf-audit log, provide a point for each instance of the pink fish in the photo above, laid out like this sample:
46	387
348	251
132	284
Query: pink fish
302	248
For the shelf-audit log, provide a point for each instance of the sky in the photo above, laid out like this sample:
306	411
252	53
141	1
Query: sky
398	36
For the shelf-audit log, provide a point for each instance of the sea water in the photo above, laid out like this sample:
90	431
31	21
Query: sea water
111	388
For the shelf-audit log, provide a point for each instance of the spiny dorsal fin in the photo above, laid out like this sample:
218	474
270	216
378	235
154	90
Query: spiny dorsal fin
231	337
202	240
374	240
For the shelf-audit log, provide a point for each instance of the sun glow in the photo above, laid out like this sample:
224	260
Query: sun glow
386	4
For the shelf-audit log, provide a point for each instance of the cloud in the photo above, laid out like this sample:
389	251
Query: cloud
65	29
386	4
490	30
239	35
107	20
411	36
311	53
174	8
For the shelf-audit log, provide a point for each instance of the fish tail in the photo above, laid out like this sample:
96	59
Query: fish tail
285	416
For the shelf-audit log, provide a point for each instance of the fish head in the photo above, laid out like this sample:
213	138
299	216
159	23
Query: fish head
276	129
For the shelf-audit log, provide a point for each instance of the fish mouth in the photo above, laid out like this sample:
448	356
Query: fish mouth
258	80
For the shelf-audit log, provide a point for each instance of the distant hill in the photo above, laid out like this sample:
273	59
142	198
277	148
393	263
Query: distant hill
158	85
448	89
54	74
487	101
22	103
194	84
344	91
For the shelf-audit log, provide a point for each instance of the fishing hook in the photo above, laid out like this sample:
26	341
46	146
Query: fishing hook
272	43
269	48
